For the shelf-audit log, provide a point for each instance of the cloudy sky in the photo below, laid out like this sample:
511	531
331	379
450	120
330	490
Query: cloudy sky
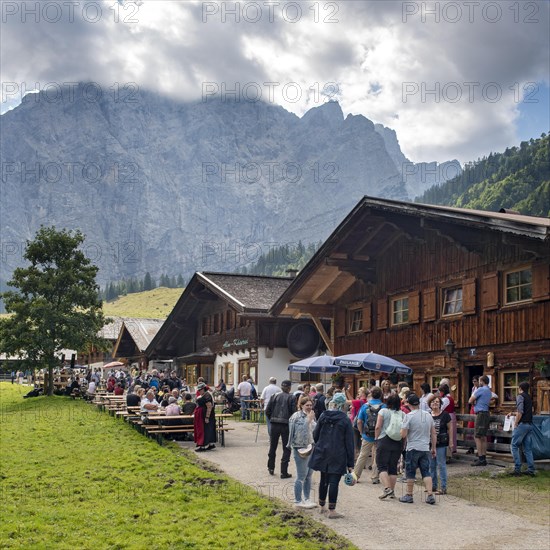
454	79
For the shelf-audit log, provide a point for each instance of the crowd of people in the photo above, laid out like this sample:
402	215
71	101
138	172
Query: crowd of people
383	430
389	431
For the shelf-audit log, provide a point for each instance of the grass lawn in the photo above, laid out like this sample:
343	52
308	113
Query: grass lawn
152	304
73	477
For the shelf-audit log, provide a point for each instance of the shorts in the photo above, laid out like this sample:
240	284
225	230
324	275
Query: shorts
482	423
388	453
417	459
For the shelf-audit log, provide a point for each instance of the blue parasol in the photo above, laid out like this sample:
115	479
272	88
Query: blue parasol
319	364
373	362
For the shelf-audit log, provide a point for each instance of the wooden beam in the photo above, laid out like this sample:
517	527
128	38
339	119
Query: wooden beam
312	309
340	287
368	237
324	335
321	288
391	241
351	264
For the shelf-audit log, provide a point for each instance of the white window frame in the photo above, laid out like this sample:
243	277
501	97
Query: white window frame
403	298
445	301
355	320
503	387
518	286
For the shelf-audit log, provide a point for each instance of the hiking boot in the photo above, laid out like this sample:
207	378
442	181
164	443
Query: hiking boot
388	493
376	482
515	473
479	462
528	473
271	471
407	498
286	476
332	514
430	499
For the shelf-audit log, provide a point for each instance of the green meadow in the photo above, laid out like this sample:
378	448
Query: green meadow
74	477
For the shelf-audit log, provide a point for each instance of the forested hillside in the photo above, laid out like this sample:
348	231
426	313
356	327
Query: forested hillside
279	259
518	179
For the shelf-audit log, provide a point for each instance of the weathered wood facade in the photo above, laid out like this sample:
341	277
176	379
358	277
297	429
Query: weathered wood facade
403	279
220	328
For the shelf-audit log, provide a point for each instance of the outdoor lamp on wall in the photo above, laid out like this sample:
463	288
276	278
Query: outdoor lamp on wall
449	347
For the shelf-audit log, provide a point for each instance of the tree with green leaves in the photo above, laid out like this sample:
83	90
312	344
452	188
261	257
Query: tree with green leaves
55	303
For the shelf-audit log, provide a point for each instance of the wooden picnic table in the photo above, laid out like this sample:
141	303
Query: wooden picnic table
161	418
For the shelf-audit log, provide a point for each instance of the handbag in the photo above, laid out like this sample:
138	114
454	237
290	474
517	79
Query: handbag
304	452
442	440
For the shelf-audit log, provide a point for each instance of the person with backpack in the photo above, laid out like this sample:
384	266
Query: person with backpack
389	443
366	424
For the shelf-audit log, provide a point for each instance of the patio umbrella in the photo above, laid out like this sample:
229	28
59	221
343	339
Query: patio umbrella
318	365
373	362
113	364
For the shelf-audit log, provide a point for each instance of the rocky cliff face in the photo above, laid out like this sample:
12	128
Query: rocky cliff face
168	187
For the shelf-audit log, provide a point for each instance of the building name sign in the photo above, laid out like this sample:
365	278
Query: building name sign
235	342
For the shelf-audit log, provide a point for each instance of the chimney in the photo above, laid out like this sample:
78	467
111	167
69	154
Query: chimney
508	211
292	273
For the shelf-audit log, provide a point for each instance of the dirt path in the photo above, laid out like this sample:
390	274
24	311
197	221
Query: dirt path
453	523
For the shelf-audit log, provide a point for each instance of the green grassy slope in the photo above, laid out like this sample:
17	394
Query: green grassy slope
153	304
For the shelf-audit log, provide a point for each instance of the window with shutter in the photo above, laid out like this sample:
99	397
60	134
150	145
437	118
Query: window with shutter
469	296
340	322
518	286
399	310
489	291
414	307
367	317
382	314
541	282
355	317
428	304
451	300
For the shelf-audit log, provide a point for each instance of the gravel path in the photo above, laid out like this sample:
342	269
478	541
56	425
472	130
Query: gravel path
453	523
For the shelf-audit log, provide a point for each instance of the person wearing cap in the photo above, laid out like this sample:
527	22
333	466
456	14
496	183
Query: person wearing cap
267	393
419	430
300	440
279	410
334	452
204	420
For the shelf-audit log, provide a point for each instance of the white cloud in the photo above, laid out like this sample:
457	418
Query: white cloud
369	48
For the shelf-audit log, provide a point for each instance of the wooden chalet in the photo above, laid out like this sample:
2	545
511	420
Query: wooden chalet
449	292
134	337
96	357
220	329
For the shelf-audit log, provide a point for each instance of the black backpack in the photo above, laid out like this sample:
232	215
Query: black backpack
372	416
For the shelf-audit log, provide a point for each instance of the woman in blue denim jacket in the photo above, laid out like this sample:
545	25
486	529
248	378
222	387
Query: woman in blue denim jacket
301	425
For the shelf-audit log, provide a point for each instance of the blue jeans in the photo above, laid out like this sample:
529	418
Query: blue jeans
303	477
521	437
245	403
439	463
268	424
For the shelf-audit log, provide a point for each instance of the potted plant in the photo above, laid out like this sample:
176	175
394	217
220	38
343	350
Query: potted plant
542	368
